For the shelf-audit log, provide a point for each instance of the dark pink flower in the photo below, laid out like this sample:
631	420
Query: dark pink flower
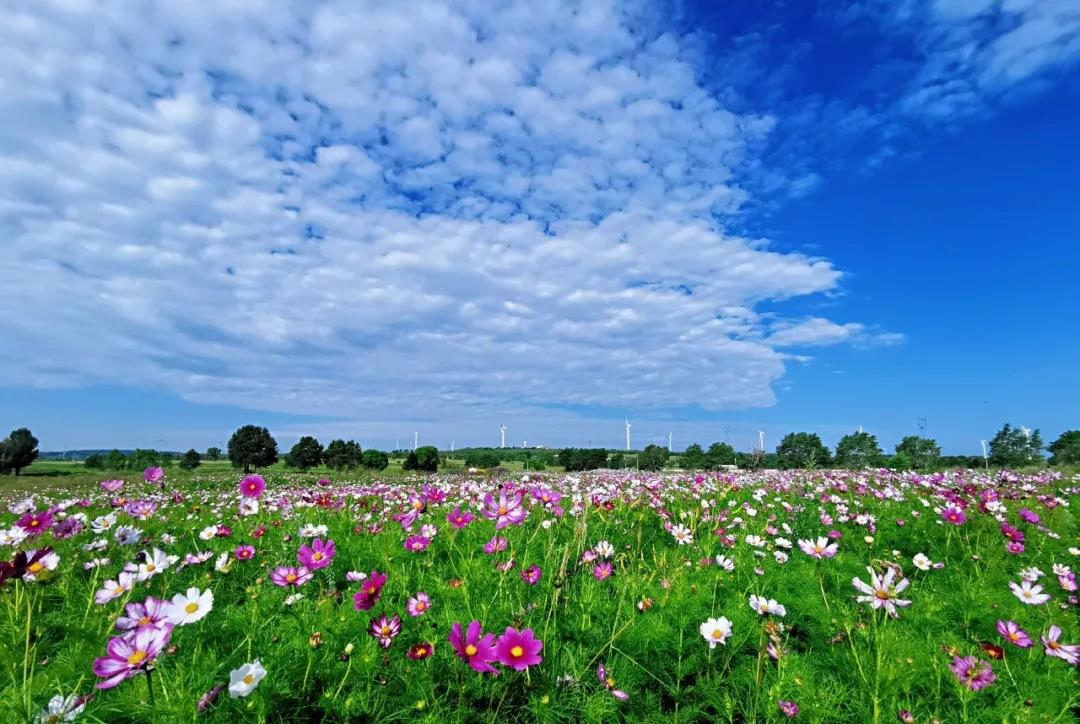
35	523
603	570
953	516
244	553
507	510
518	649
252	486
126	656
788	708
384	629
474	647
369	593
532	574
1011	632
459	518
973	673
318	555
417	543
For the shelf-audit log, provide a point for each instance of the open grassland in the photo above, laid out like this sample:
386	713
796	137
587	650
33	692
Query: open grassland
608	596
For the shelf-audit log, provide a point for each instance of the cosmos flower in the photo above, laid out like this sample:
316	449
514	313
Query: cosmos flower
417	543
821	548
953	516
318	555
473	646
788	708
35	523
1029	516
103	523
153	475
151	612
127	535
153	563
1011	632
369	593
531	575
518	649
495	545
765	606
112	486
604	549
973	673
207	699
724	562
603	570
1028	593
290	576
247	506
129	655
420	651
244	552
112	590
418	605
384	629
191	606
882	592
682	535
243	681
507	510
458	518
609	683
716	631
252	486
39	561
1052	646
61	708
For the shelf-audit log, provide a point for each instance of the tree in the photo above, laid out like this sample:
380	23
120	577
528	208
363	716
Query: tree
481	459
858	450
342	455
922	452
719	453
616	461
1066	449
375	460
653	457
18	450
94	461
252	447
1012	447
693	457
213	453
574	459
143	459
115	460
307	453
427	458
801	450
411	462
190	460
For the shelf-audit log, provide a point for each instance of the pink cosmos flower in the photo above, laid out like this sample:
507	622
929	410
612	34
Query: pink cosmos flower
369	593
35	523
532	574
153	475
1029	516
973	673
882	592
1067	581
609	683
418	605
788	708
518	649
384	629
318	555
495	545
151	612
420	651
545	496
111	590
474	647
507	510
953	516
417	543
252	486
1052	646
126	656
821	548
458	518
1029	594
244	553
1014	548
112	486
1011	632
289	576
603	570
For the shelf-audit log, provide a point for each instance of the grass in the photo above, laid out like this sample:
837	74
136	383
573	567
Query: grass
840	661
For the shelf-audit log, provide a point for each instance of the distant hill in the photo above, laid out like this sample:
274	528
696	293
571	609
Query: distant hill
82	454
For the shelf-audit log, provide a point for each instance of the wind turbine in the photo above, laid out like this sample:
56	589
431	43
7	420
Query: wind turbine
451	446
415	440
986	458
669	442
502	435
627	433
761	440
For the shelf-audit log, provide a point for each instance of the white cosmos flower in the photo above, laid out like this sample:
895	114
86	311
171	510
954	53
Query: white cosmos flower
922	562
191	606
12	536
153	563
755	540
716	631
223	564
47	563
104	523
724	562
60	708
208	532
682	535
604	549
293	598
243	681
1029	594
127	535
248	506
766	606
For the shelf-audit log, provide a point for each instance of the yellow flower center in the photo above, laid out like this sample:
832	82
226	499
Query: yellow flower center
470	650
517	652
35	567
136	658
249	679
1053	645
289	578
145	621
191	607
420	605
503	510
316	556
35	523
385	630
118	590
882	594
717	633
150	567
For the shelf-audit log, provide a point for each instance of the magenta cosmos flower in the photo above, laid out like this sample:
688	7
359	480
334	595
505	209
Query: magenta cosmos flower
35	523
420	651
289	576
112	486
495	545
1011	632
973	673
318	555
602	570
788	708
384	629
126	656
244	553
151	612
417	543
532	574
459	518
369	592
1052	646
252	486
1029	516
153	475
953	516
418	605
609	683
474	647
518	649
507	510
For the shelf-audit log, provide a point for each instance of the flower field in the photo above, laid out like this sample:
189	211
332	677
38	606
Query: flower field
749	597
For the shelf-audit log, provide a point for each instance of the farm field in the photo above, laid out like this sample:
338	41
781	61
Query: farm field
827	596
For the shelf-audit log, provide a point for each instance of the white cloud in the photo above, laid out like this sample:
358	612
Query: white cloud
365	209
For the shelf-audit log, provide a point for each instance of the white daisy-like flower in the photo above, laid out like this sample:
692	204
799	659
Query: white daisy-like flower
12	536
1060	569
48	562
755	540
153	563
1031	573
716	631
922	562
127	535
682	535
223	564
724	562
765	606
103	523
243	681
604	549
61	708
208	532
247	506
293	598
191	606
1029	594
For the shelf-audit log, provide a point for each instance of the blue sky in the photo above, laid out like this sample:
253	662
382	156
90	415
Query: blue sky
352	219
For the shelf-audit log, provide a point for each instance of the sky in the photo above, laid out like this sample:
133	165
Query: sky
368	219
